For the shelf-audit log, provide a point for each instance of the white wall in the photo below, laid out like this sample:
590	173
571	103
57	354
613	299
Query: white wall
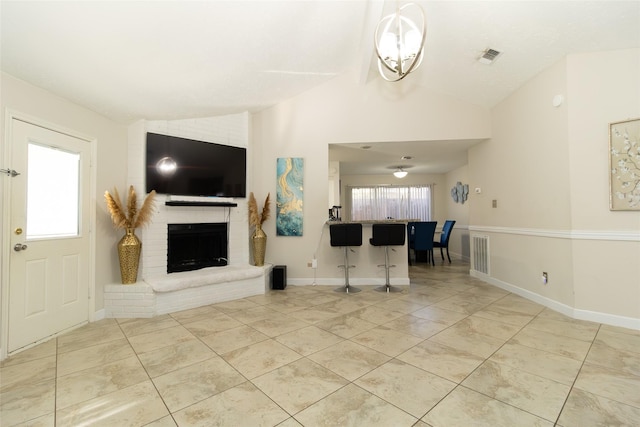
337	112
459	212
547	167
603	87
111	165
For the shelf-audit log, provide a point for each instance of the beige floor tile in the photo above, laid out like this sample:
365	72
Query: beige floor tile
620	330
346	326
193	383
93	356
387	341
133	406
98	381
319	357
308	340
229	307
490	328
211	324
574	330
254	314
195	314
619	340
440	315
170	358
539	396
621	360
397	383
39	351
93	334
243	405
348	359
504	315
353	406
461	337
260	358
278	325
30	372
446	362
586	409
466	304
134	327
290	422
564	346
609	383
464	407
518	304
487	290
315	314
416	326
233	339
155	340
48	420
377	315
27	401
427	297
400	305
289	305
299	384
537	362
166	421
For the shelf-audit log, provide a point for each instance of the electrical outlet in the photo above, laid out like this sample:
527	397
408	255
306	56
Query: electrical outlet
545	278
314	263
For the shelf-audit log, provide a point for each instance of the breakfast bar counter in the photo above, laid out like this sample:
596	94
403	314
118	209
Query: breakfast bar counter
368	259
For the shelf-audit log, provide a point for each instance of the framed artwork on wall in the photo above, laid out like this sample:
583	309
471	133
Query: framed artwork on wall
289	196
624	165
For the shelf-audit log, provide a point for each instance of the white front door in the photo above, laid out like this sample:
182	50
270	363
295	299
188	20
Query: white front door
49	234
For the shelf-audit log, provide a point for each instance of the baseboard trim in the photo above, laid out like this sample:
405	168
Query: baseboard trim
575	313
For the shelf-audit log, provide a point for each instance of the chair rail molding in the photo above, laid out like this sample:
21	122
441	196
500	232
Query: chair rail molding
612	235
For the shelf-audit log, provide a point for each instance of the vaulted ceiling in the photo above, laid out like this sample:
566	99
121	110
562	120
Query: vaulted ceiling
129	60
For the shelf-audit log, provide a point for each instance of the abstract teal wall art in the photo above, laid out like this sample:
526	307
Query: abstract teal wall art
289	196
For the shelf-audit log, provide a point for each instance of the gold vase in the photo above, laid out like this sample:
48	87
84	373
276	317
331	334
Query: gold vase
129	253
258	245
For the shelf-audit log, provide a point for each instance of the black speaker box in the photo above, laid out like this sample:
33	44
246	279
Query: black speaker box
279	277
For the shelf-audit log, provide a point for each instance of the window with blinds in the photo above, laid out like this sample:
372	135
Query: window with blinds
391	202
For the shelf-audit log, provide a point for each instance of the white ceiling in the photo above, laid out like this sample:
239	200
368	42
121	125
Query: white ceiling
130	60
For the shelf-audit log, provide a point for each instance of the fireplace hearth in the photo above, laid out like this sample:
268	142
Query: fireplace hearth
196	246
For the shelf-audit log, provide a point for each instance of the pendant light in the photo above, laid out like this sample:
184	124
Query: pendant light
399	42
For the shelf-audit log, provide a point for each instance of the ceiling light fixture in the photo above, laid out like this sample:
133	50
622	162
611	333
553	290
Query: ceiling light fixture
400	43
400	173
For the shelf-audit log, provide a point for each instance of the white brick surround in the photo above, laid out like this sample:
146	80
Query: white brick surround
120	299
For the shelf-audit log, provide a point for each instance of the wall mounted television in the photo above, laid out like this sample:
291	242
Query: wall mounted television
186	167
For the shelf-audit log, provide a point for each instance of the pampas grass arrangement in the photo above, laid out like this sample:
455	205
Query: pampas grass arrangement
129	216
256	218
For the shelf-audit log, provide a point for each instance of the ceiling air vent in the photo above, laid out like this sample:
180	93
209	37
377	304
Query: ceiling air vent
489	56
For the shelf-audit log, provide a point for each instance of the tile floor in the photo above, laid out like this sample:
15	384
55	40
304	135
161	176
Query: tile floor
449	351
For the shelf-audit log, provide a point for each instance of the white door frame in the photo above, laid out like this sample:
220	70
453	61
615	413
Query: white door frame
10	115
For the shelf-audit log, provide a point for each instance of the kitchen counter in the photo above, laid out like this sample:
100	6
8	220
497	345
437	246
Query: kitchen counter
366	258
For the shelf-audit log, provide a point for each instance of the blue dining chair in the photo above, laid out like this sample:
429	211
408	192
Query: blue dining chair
444	238
421	239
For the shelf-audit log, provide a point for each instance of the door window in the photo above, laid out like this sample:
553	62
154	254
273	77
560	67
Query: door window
53	192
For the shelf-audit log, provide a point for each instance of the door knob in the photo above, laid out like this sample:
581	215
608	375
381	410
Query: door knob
19	247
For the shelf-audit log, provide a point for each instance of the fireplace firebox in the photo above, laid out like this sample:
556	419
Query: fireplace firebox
196	246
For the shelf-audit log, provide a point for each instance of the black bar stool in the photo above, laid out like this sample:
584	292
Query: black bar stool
387	235
346	235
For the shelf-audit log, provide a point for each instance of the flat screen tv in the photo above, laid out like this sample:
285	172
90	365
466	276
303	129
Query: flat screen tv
185	167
